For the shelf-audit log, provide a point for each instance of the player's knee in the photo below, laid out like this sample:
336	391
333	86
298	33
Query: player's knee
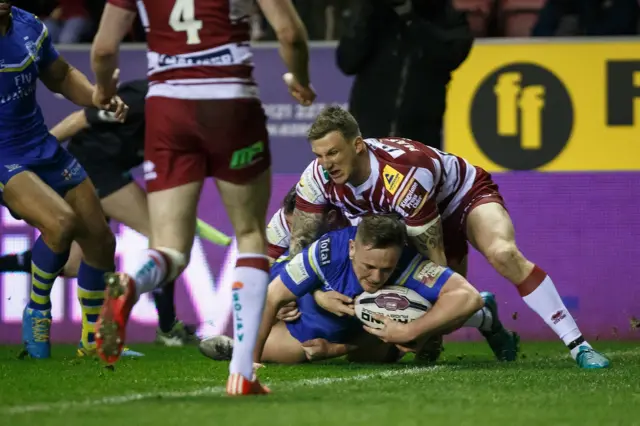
63	228
177	260
503	255
107	240
252	240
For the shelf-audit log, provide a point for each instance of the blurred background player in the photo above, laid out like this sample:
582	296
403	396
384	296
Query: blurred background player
42	183
445	202
108	149
204	119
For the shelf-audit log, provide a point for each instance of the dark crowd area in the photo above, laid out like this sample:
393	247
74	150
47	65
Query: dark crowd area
75	21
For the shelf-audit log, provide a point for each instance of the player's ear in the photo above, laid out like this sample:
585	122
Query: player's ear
358	144
352	249
331	216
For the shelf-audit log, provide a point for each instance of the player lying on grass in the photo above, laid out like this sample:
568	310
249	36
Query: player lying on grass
360	259
108	149
445	202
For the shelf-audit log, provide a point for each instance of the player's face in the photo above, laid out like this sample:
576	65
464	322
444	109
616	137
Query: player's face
373	267
5	8
336	155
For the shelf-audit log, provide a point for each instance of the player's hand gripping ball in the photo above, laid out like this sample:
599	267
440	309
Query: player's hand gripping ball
398	303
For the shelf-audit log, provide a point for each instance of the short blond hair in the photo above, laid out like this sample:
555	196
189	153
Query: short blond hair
331	119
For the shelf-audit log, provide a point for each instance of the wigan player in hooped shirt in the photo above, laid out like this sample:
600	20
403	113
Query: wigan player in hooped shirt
205	119
42	183
444	201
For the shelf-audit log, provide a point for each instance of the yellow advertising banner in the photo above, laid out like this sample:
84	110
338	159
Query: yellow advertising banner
552	106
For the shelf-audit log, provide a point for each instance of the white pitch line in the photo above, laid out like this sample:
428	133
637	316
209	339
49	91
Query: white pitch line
217	390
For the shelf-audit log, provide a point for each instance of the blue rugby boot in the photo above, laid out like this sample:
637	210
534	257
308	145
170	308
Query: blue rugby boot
504	343
36	331
83	352
591	359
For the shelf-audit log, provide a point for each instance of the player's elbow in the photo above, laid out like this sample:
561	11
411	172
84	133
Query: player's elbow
469	299
475	300
291	35
103	48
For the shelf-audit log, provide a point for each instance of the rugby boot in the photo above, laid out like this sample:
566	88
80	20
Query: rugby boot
591	359
218	348
181	334
504	343
120	296
238	385
36	331
83	352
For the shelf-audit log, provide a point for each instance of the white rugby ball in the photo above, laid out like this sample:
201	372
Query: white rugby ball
395	302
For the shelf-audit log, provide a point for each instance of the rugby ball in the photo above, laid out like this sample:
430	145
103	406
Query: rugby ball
395	302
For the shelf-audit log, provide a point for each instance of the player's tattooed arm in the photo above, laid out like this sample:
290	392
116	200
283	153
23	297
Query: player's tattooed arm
305	228
429	240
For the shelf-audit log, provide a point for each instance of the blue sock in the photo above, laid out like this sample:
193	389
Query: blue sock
45	268
91	286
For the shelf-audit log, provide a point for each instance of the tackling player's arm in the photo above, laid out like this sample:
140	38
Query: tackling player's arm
417	205
117	18
310	211
428	240
305	229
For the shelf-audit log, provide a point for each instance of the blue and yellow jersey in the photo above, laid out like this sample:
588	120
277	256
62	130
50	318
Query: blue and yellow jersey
325	265
25	51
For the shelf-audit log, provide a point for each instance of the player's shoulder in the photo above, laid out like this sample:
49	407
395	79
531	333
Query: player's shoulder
332	249
403	153
26	19
313	182
315	171
278	232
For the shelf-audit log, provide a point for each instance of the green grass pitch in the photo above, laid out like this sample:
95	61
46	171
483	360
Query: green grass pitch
178	386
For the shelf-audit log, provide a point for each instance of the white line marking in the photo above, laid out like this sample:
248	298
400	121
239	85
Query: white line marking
217	390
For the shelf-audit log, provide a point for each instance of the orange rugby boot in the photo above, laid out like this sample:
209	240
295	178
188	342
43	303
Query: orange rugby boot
238	385
120	296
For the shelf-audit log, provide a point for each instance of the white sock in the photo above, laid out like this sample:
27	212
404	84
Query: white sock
482	320
251	278
546	302
149	270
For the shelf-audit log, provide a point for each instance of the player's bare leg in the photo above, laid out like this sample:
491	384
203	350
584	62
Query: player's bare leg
491	232
40	206
98	244
246	205
173	220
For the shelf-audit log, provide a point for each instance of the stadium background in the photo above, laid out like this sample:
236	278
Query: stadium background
573	140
